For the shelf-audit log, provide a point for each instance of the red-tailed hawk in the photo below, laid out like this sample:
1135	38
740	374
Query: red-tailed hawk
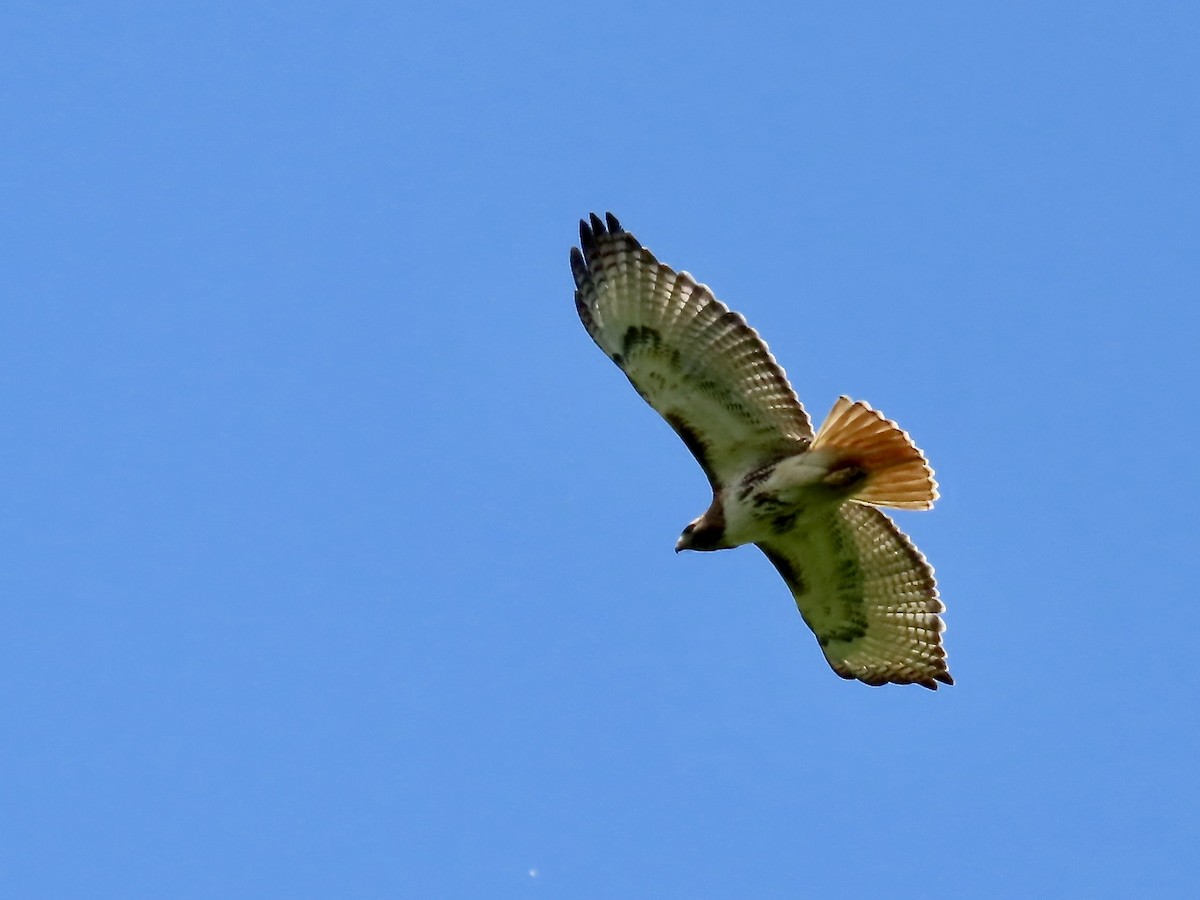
807	501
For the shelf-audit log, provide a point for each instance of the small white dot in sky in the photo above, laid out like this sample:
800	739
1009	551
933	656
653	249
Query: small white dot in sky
533	873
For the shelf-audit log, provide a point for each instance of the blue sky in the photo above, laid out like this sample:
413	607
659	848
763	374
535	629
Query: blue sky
339	561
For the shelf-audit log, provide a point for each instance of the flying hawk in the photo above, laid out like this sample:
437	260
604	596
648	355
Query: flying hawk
808	501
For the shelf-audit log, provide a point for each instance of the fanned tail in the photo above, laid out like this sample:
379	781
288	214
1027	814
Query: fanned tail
897	473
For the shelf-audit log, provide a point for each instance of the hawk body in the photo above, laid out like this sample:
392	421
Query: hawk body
806	500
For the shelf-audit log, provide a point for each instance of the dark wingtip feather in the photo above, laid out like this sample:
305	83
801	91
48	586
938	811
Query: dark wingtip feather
932	683
880	680
578	266
585	314
593	228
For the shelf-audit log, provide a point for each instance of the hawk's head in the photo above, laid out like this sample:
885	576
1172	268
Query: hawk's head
704	533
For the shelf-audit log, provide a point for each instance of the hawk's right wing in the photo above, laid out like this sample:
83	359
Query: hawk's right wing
699	365
867	593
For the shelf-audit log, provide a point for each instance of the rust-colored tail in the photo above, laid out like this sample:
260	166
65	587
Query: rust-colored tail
897	473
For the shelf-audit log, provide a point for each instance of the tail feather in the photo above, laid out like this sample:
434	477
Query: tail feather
897	472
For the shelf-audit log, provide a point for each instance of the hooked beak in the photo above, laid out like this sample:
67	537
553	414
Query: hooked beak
679	545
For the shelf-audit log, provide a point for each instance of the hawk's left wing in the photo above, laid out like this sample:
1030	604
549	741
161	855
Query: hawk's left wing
868	594
699	365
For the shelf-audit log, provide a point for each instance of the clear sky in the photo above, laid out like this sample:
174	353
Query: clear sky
338	560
